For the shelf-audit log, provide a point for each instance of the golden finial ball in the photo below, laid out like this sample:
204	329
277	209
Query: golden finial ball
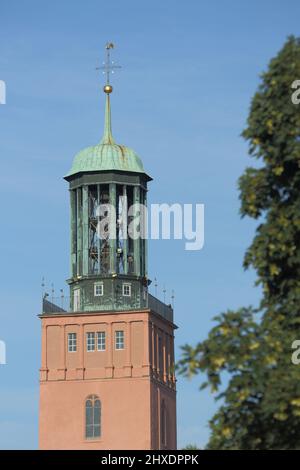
107	89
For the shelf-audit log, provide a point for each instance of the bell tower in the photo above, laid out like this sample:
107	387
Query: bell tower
107	374
108	190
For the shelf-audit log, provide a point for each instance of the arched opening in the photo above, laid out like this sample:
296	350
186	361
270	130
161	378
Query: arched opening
163	425
92	417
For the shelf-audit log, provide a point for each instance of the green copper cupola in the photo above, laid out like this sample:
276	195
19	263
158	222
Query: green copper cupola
107	184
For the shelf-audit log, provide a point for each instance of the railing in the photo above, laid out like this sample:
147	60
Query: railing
159	307
50	306
62	305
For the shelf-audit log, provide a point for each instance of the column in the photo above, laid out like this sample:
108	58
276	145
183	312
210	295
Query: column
158	358
79	229
125	231
155	351
85	229
44	369
109	368
146	355
98	226
80	368
165	352
169	361
128	363
146	238
62	358
152	348
73	267
172	360
136	241
112	228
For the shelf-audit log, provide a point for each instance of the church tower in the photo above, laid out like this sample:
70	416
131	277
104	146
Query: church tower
107	370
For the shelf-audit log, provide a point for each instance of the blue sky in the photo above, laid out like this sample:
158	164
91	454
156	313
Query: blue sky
181	100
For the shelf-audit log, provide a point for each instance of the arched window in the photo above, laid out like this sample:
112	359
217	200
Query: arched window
92	417
163	424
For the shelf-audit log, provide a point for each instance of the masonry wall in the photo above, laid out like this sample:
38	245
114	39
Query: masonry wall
125	416
124	380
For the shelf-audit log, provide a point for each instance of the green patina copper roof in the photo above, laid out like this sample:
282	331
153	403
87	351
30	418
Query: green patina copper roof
107	155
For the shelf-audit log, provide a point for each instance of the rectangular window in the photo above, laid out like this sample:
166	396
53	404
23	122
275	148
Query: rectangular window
98	289
72	342
101	341
76	300
90	341
119	335
144	293
127	290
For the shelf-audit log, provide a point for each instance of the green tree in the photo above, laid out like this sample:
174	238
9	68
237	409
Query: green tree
191	447
252	348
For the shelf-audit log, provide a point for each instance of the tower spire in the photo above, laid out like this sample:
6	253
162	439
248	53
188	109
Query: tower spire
107	134
107	68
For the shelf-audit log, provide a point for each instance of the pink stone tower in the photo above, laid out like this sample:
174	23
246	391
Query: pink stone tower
107	369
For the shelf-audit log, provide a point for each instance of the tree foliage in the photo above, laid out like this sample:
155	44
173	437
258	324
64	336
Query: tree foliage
252	348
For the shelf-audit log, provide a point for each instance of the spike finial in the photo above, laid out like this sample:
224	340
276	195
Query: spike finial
108	67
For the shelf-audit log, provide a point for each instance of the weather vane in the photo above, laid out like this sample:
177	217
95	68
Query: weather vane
108	67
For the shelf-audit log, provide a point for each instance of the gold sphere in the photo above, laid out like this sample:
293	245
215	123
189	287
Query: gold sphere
107	89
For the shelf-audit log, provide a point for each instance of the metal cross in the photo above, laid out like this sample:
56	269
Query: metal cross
108	66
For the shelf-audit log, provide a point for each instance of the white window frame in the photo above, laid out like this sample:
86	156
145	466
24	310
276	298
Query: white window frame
96	285
124	287
76	300
90	341
72	342
119	340
101	341
144	293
